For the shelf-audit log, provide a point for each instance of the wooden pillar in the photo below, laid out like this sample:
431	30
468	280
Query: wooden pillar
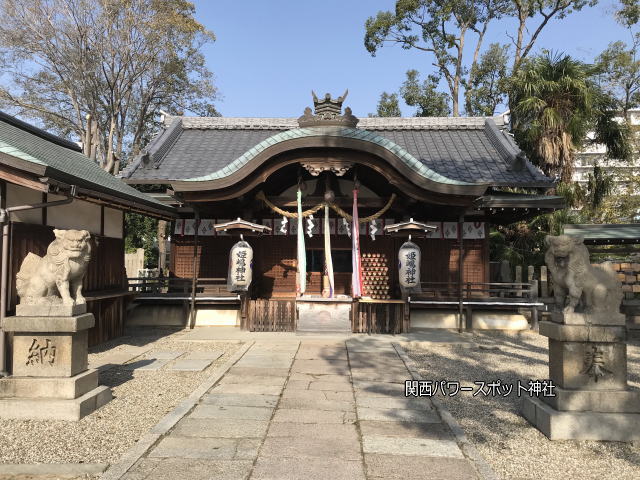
460	271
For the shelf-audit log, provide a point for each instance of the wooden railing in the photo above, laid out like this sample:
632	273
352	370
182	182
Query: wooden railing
179	288
477	290
271	315
379	316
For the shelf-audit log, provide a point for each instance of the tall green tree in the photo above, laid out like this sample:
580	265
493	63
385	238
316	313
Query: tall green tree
118	61
388	106
619	67
439	28
555	102
486	87
428	101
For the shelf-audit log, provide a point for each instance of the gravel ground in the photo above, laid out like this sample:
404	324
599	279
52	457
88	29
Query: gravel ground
514	448
140	400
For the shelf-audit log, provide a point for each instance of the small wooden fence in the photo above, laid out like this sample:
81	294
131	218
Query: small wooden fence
379	316
271	315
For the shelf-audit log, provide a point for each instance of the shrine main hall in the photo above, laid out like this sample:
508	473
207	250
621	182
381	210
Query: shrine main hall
438	184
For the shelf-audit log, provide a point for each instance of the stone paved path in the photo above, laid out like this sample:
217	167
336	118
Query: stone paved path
310	409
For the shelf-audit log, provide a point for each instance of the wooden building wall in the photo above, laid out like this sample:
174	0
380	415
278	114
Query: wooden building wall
275	261
104	282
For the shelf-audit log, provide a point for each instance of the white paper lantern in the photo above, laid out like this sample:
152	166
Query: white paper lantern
409	266
240	267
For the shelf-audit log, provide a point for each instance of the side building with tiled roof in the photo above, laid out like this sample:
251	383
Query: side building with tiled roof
45	183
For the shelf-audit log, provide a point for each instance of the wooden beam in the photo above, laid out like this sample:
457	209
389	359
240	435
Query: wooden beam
23	179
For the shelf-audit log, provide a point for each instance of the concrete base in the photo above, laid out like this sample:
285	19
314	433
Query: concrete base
324	317
54	409
605	401
50	310
433	319
52	387
578	318
156	316
556	425
217	317
489	320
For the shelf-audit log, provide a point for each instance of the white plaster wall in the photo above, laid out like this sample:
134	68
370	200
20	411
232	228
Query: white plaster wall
113	222
77	215
17	195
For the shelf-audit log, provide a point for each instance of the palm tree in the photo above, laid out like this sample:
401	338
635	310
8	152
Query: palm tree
555	103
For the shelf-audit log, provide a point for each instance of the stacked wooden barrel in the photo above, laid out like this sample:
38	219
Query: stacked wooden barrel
375	275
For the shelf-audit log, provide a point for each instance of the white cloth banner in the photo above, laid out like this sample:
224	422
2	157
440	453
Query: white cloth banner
473	230
450	230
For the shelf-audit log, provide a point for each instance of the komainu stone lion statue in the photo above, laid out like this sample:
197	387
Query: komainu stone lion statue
56	277
575	279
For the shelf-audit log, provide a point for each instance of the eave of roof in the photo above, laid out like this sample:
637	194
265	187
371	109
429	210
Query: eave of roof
28	149
605	234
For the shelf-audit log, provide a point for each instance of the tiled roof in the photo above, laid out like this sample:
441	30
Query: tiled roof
64	163
455	150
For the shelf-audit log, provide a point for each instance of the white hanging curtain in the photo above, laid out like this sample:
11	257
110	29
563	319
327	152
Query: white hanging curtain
328	261
301	276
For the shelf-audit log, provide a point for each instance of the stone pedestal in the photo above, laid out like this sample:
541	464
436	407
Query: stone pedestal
50	379
588	365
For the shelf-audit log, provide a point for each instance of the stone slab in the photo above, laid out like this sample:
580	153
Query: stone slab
330	386
54	409
240	400
577	318
190	365
166	355
366	388
50	310
567	362
307	468
117	358
582	333
49	355
189	469
313	395
149	364
231	412
435	431
398	415
219	428
318	404
410	403
556	425
55	387
240	388
205	355
327	431
304	445
291	415
390	467
253	380
260	372
410	446
46	324
310	377
613	401
215	448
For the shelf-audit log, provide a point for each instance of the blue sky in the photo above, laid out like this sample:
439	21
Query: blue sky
269	54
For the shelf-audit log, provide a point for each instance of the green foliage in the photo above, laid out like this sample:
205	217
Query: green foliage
118	61
555	102
619	72
486	87
424	96
141	233
387	106
628	13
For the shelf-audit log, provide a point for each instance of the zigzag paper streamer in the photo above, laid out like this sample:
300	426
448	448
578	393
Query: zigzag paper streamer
346	227
283	226
310	226
372	230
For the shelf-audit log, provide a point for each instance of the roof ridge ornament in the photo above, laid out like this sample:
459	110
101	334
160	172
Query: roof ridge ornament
328	112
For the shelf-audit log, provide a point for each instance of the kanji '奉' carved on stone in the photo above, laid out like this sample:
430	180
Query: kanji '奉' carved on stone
57	277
